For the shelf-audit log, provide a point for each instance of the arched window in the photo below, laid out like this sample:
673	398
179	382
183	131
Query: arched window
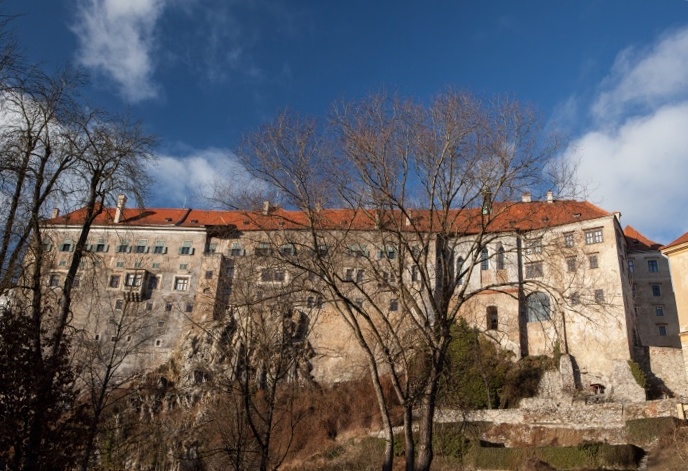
500	258
492	318
484	259
459	271
538	307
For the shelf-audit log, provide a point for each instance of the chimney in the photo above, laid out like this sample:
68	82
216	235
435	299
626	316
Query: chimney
550	196
55	213
617	215
121	201
526	197
266	208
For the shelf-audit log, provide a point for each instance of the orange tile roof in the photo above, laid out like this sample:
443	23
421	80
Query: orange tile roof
636	242
681	240
506	216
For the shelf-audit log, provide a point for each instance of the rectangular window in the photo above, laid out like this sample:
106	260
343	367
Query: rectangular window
492	318
156	266
415	274
66	246
652	266
349	274
394	305
656	290
575	299
571	264
359	276
357	250
287	250
168	307
237	250
534	270
141	246
593	236
659	311
114	281
269	275
212	248
123	247
186	248
631	265
534	246
593	261
181	283
568	239
149	306
263	249
101	247
661	330
183	266
119	303
189	307
159	247
133	279
54	281
599	295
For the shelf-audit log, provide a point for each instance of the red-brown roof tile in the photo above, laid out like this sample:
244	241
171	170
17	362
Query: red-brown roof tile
635	241
681	240
507	216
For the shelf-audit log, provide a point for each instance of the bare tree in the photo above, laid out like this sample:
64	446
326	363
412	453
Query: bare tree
427	189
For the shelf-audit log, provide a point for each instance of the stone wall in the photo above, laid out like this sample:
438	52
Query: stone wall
667	365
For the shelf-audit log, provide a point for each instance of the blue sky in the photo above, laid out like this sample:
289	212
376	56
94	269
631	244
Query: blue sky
611	74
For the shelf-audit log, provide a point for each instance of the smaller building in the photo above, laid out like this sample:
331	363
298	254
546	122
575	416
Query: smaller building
653	294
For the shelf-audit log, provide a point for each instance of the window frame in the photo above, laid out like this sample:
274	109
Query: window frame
594	236
181	283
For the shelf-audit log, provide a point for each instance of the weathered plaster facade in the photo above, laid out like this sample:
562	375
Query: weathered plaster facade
556	282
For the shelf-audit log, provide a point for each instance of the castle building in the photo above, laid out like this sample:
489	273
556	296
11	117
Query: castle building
536	276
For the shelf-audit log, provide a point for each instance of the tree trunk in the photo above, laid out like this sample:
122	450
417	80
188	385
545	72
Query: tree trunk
408	436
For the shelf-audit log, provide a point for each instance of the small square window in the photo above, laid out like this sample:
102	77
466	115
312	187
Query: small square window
168	307
661	330
119	304
161	324
62	263
149	306
656	290
394	305
183	266
158	343
208	274
101	248
156	266
119	264
652	266
571	264
113	338
66	246
659	311
97	337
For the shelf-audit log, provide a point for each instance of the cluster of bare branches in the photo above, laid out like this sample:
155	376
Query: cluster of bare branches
425	190
54	152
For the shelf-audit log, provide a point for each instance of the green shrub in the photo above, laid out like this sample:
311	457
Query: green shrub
638	374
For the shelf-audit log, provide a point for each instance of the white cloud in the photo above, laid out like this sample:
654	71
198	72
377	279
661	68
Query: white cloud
634	156
116	39
188	180
645	78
